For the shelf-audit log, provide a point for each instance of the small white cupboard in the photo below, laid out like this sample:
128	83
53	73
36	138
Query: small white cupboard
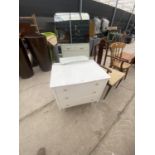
77	83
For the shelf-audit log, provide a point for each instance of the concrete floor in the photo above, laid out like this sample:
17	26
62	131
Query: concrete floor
103	128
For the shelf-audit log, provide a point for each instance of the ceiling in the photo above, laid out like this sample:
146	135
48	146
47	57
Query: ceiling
127	5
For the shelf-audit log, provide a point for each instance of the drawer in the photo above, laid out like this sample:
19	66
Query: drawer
77	53
69	102
75	48
81	90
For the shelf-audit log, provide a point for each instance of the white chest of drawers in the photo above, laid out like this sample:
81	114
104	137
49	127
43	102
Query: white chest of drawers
77	83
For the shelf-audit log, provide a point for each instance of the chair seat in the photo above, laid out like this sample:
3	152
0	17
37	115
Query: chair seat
118	64
115	76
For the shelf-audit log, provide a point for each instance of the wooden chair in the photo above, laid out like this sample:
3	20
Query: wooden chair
117	61
116	76
130	57
28	25
32	20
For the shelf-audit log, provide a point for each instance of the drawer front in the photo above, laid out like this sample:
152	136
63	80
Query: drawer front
77	53
79	93
75	49
69	102
80	90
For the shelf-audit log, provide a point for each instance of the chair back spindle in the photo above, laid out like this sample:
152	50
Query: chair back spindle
116	51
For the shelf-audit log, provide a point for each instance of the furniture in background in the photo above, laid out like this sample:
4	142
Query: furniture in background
117	61
127	38
130	57
33	51
87	49
28	20
72	27
25	67
52	43
112	28
91	28
35	44
114	37
40	51
93	41
51	38
77	80
101	51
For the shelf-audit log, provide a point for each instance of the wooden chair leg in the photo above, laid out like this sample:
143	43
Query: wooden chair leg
107	92
126	73
118	83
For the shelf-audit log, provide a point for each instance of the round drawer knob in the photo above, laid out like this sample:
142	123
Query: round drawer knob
94	92
65	90
66	98
96	84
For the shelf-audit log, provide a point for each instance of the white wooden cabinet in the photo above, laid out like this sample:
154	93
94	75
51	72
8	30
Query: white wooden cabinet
75	49
77	83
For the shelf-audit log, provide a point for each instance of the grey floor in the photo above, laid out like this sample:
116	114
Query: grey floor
103	128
